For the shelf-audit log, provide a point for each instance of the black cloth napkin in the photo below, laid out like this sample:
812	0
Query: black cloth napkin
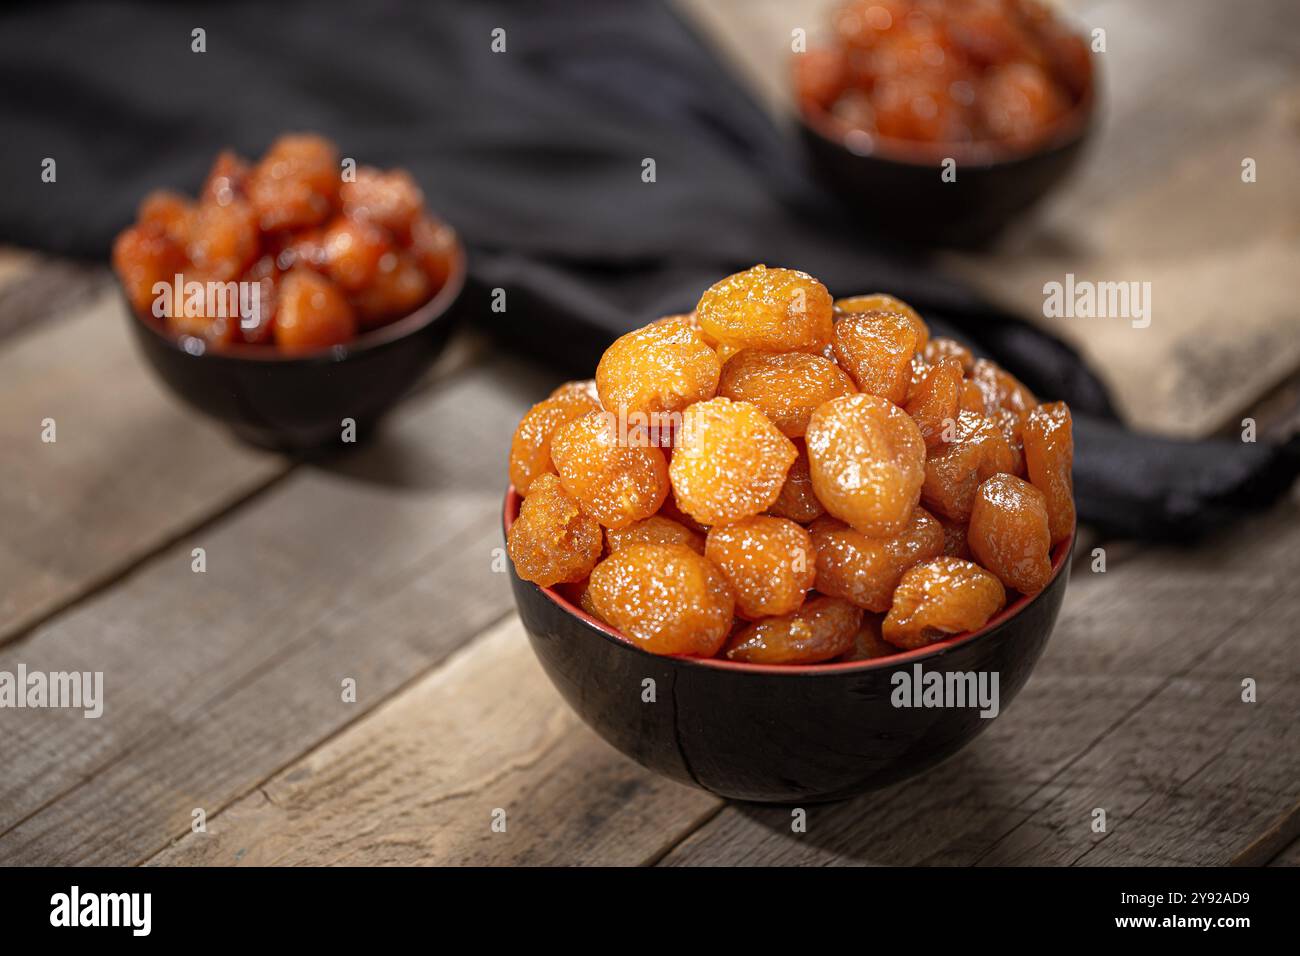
536	155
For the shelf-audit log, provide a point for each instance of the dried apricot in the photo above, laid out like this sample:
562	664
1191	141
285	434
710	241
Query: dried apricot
399	287
797	500
664	598
1009	533
784	386
296	183
1001	389
223	239
974	448
391	199
656	529
312	313
352	252
933	402
941	347
1049	458
168	213
142	258
769	562
658	369
876	349
530	448
866	570
617	480
780	310
880	302
729	462
941	597
553	540
868	645
867	461
820	630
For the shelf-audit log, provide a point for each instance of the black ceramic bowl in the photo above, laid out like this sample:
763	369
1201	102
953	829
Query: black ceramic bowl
299	402
776	734
896	186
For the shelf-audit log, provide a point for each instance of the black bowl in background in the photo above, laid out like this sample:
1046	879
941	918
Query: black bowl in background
897	187
298	403
777	734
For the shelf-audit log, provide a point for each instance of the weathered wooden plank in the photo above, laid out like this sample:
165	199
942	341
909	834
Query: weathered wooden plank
130	468
37	291
373	568
1133	649
420	779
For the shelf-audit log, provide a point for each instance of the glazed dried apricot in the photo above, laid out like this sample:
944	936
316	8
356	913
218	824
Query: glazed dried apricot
880	302
780	310
617	480
226	179
974	448
142	258
352	250
656	529
530	448
876	349
1049	458
1001	389
933	402
729	462
941	597
865	570
797	500
296	183
553	540
391	199
867	461
399	287
658	369
868	644
168	213
820	630
223	239
941	347
769	562
664	598
784	386
311	313
954	538
1009	533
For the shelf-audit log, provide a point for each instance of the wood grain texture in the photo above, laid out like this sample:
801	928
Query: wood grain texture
419	780
131	468
1135	708
374	567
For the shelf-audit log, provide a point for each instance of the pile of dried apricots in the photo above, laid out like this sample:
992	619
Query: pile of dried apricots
781	478
947	71
333	256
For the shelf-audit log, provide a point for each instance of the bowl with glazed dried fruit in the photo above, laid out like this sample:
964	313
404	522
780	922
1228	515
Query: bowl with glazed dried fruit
944	120
788	548
292	304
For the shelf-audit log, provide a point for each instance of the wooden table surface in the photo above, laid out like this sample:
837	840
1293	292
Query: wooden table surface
223	689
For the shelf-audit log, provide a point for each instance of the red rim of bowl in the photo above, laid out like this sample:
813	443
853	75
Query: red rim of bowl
1070	127
382	335
1060	555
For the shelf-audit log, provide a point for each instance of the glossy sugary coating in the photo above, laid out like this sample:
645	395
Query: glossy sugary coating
867	460
876	349
662	367
780	310
665	598
947	71
1009	533
880	302
293	227
530	449
1049	456
618	481
941	597
553	540
785	386
866	570
730	461
797	500
769	562
657	529
824	628
976	449
787	504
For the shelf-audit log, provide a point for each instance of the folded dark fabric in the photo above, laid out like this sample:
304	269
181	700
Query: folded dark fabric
536	154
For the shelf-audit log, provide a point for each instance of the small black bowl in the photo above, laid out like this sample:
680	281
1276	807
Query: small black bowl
776	734
897	187
298	403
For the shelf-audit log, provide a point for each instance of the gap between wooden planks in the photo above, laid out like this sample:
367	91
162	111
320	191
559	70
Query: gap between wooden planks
1102	723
